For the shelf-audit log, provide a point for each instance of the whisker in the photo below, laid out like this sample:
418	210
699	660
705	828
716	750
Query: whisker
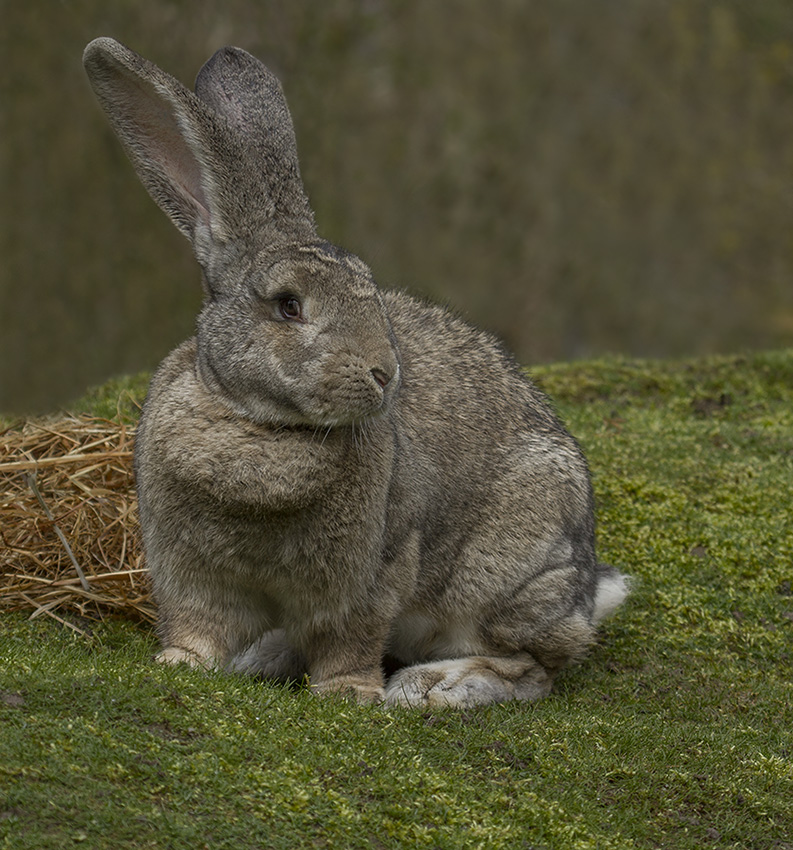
364	434
359	438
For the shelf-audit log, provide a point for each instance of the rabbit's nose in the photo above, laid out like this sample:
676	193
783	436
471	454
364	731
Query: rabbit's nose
382	379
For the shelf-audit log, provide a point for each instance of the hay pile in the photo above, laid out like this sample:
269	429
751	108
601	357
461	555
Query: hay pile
68	521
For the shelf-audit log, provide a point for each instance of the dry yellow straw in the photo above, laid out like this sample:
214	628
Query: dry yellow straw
68	521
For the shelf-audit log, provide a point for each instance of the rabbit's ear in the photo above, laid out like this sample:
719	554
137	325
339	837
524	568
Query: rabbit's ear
167	133
222	163
238	87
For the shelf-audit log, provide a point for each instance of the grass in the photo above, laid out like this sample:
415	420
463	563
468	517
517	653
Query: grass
675	733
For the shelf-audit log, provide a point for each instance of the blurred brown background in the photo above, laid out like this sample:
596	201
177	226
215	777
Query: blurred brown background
581	177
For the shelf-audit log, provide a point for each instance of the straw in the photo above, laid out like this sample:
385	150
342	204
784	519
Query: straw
69	542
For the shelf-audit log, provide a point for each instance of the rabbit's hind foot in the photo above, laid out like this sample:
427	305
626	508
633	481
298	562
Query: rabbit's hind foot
466	682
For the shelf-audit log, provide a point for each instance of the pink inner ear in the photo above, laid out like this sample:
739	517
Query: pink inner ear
185	174
168	146
163	140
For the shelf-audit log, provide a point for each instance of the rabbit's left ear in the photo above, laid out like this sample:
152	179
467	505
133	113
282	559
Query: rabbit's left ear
238	87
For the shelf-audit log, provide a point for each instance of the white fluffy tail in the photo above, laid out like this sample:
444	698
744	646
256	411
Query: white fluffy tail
611	592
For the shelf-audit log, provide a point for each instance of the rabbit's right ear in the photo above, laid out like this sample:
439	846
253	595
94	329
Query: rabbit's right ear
166	132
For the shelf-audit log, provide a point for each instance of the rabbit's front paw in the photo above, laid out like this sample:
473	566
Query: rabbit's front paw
177	655
364	691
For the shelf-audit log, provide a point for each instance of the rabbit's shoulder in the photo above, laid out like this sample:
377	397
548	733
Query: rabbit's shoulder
452	366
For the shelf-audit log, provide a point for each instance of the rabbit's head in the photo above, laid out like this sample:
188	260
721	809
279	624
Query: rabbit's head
293	330
303	340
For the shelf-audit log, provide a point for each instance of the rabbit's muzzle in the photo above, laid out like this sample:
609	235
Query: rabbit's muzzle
352	390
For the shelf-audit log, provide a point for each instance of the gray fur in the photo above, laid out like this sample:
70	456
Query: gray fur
368	477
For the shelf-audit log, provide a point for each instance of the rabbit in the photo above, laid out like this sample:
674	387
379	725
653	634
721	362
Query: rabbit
330	474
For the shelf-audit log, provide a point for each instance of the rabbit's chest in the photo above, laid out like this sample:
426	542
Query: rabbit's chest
236	469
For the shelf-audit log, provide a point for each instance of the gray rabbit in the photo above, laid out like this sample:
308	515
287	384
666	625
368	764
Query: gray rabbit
329	474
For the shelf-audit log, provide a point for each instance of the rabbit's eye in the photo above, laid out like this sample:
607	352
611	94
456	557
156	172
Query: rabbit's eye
290	308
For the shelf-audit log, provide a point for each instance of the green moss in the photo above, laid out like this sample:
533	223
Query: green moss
120	397
708	383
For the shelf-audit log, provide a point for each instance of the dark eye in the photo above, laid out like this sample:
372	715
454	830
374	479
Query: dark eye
290	308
